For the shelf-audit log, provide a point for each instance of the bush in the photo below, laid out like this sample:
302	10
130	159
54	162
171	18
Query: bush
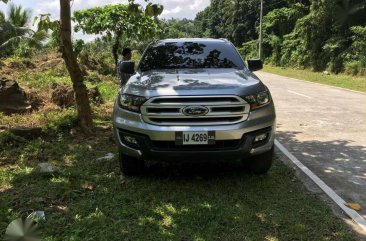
355	68
78	46
335	50
275	44
23	50
8	139
60	120
293	52
356	58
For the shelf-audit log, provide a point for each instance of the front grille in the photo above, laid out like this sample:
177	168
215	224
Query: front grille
168	110
219	145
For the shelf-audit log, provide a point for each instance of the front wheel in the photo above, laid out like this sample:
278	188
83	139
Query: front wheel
260	164
130	166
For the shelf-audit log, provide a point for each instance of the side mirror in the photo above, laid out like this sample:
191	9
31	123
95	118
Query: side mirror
128	67
255	64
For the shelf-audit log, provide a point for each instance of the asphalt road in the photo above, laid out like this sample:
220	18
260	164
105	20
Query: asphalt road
325	128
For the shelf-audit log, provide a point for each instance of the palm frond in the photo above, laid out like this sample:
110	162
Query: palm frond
7	28
14	41
18	16
40	36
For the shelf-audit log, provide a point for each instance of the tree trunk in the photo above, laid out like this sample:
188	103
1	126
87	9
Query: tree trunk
116	46
81	95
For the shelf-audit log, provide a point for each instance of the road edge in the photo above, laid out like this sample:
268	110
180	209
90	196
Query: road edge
356	217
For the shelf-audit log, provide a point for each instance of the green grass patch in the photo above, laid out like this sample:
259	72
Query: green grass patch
42	80
50	119
340	80
212	201
109	90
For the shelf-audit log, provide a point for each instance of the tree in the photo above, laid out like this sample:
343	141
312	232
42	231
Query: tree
235	20
15	32
276	24
177	28
77	78
119	21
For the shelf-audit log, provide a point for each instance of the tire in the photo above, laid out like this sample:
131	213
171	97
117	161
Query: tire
130	166
260	164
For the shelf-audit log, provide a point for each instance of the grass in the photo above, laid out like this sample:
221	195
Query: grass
340	80
108	90
213	201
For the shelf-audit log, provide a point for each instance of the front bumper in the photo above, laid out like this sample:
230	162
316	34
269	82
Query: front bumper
157	142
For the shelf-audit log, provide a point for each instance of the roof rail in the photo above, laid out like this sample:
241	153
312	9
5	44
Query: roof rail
225	39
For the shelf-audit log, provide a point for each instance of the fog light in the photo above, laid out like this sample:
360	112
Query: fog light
131	140
260	137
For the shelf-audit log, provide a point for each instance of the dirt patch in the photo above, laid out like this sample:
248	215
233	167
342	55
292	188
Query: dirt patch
35	100
63	96
52	63
21	65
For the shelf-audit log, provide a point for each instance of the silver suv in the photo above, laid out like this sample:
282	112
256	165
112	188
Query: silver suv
194	99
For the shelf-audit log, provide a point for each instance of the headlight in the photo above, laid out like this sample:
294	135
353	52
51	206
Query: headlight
258	100
131	102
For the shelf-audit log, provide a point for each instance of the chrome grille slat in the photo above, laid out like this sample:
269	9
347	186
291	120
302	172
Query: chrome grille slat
168	110
192	117
192	99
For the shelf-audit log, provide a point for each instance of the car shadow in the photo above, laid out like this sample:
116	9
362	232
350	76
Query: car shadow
189	170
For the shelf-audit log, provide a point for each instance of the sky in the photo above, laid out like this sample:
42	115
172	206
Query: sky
172	8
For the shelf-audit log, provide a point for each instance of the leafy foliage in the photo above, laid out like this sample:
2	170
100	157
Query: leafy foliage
356	57
16	36
249	49
110	19
78	46
177	28
119	21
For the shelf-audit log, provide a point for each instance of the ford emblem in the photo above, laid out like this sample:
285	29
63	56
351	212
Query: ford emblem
195	110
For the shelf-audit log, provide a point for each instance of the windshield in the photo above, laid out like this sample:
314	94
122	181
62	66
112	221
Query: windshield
188	55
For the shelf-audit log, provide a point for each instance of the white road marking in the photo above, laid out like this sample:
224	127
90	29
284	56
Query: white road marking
355	216
293	92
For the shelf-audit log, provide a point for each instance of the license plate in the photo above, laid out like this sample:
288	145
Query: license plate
195	138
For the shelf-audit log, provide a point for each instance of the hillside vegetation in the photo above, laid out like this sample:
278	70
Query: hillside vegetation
319	34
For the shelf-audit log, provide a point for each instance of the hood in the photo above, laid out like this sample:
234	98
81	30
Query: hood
194	82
